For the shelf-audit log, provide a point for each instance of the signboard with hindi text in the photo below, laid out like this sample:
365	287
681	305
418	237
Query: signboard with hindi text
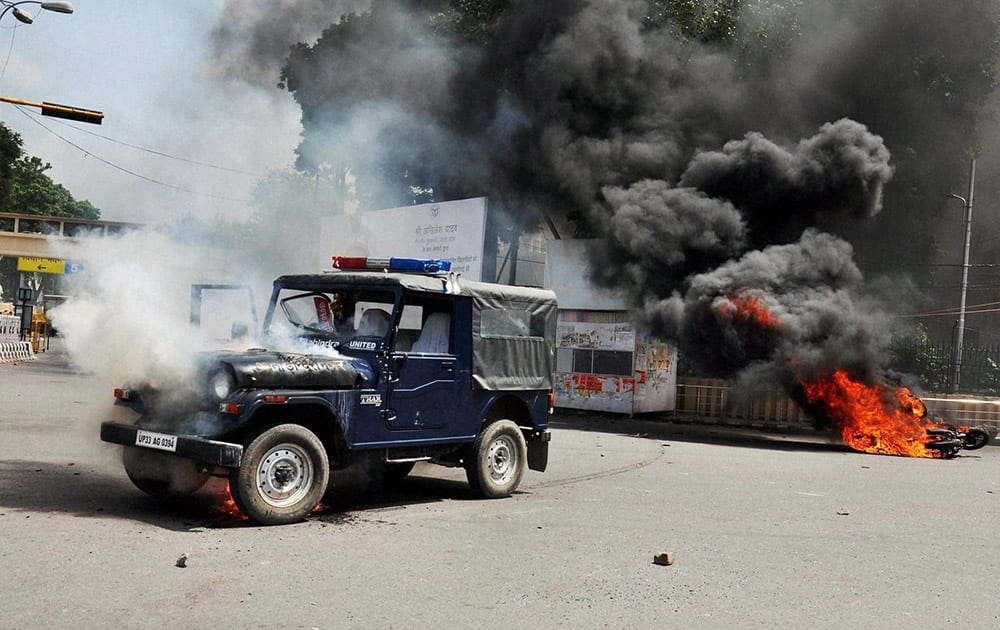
41	265
449	230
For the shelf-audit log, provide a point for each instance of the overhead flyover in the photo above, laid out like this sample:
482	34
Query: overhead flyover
31	235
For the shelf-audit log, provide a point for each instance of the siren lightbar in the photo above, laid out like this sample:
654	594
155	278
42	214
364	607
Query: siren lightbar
422	265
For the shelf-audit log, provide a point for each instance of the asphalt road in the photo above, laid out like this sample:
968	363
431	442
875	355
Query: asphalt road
769	532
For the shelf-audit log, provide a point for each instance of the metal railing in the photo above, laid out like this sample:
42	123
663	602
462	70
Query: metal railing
934	366
708	400
711	399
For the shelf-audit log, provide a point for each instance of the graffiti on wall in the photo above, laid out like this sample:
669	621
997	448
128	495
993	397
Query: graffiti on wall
595	336
648	385
595	392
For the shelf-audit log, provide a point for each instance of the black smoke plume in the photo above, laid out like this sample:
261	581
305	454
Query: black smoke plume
842	169
254	37
719	173
800	308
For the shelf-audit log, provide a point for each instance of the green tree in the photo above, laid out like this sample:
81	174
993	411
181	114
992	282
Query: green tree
25	188
704	20
912	352
289	193
10	152
469	20
33	192
289	206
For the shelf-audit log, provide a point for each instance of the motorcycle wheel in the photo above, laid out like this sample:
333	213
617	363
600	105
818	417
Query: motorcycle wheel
975	437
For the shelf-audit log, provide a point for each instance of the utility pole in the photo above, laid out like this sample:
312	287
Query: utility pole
960	340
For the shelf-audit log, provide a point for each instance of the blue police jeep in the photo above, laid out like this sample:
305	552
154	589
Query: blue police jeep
367	364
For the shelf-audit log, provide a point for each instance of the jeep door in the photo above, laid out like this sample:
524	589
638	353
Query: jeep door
429	378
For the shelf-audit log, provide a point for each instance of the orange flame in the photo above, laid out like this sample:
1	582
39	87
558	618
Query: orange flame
873	418
228	506
750	308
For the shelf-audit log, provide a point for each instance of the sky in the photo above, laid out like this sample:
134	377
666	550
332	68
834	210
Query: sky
149	67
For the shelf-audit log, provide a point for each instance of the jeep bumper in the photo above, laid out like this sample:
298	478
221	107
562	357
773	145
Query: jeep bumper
193	447
538	450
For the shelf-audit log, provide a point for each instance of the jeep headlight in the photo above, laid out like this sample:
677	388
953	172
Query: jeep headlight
221	384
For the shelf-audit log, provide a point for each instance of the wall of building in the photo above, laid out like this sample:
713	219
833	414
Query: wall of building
603	364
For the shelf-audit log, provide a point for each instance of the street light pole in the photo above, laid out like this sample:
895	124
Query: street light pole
27	18
48	109
965	275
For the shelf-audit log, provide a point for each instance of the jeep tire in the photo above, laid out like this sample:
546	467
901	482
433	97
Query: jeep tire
283	476
497	460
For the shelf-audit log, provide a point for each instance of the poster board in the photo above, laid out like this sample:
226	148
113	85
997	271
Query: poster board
449	230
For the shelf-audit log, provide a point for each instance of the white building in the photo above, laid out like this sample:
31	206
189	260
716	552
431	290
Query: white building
602	362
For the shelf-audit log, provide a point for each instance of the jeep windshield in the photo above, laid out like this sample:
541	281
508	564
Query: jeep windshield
351	318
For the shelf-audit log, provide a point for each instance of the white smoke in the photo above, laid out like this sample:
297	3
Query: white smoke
283	337
128	314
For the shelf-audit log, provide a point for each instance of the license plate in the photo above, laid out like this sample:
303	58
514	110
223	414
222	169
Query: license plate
159	441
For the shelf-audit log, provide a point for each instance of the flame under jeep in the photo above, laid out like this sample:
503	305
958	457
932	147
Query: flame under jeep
381	368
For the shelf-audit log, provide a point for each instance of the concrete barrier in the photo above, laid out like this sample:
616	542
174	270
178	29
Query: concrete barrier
16	351
10	328
12	349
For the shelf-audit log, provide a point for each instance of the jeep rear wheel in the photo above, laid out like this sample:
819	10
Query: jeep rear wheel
497	461
283	476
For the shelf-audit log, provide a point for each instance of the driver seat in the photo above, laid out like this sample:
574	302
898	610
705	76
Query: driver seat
374	323
434	336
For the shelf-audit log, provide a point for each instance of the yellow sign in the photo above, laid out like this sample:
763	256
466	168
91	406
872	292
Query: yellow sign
41	265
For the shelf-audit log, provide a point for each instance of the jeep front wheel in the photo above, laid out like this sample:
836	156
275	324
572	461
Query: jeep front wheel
496	463
283	475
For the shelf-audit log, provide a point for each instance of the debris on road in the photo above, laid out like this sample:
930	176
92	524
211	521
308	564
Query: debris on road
182	561
665	559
